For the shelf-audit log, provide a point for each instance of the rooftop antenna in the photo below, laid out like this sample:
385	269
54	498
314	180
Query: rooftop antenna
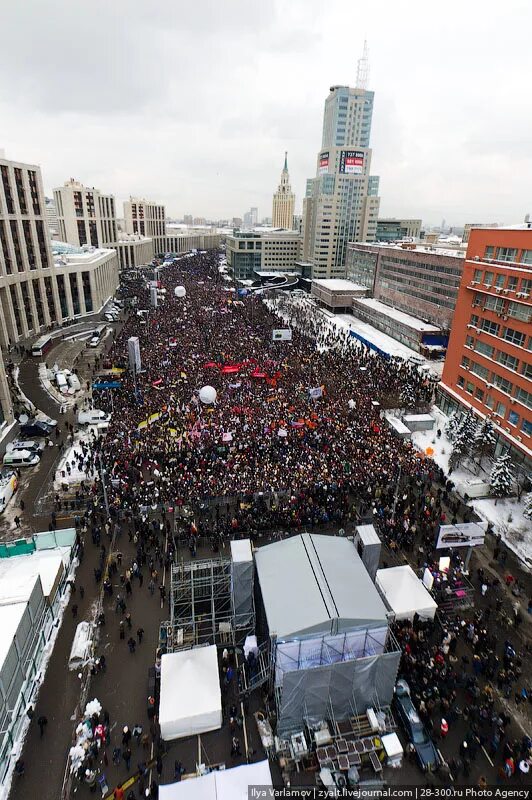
363	68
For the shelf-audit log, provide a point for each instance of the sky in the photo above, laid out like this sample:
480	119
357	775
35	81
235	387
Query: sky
193	104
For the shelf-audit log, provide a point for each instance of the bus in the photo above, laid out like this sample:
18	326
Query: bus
41	346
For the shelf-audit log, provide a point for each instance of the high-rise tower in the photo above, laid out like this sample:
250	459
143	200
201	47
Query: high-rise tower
341	203
283	201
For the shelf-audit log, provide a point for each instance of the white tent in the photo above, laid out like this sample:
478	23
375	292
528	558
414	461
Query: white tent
228	784
405	593
191	701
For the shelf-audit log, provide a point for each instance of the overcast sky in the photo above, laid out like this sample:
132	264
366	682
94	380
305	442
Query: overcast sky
193	102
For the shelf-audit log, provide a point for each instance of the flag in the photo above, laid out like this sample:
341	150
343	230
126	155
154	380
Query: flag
315	393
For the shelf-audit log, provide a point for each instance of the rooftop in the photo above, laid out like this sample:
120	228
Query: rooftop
338	285
399	316
316	584
437	249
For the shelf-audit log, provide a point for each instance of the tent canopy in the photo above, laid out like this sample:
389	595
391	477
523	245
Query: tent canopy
405	593
316	584
228	784
191	700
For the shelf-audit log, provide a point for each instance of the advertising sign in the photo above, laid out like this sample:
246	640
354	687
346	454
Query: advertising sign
323	165
351	162
463	534
282	335
133	350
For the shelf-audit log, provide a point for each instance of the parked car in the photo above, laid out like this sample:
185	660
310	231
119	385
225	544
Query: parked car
35	428
93	417
21	458
23	444
48	420
426	752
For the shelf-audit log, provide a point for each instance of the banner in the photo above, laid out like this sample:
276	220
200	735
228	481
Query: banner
133	349
323	164
316	393
463	534
282	335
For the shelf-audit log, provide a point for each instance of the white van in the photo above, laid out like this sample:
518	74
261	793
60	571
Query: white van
74	382
21	458
62	383
8	485
32	446
93	417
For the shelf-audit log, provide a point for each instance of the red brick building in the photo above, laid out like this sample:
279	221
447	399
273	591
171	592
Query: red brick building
489	358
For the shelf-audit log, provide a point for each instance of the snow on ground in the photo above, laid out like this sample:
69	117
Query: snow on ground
71	458
505	514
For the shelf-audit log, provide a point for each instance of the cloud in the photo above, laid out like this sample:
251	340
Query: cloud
195	103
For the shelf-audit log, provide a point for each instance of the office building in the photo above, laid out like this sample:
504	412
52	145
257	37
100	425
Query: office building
38	289
297	223
469	225
341	203
271	251
417	280
146	219
134	250
188	219
181	241
489	361
284	201
250	218
6	406
85	215
393	230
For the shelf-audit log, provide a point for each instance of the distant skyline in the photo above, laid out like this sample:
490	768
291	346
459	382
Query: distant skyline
194	104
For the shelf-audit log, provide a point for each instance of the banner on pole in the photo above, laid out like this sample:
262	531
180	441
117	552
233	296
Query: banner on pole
316	393
282	335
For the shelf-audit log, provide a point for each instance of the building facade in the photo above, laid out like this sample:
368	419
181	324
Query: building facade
420	281
284	201
85	215
469	225
134	250
341	203
146	218
178	241
38	289
6	406
274	251
393	230
489	361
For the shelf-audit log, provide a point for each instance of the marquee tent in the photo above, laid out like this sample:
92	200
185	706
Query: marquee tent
405	594
191	700
229	784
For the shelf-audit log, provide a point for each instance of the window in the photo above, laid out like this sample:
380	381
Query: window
489	401
511	362
520	311
506	253
499	280
526	257
494	303
526	427
513	418
461	381
477	276
479	370
488	252
513	336
488	278
490	327
512	282
479	394
477	299
503	384
485	349
526	370
500	409
465	361
469	387
526	285
524	397
469	341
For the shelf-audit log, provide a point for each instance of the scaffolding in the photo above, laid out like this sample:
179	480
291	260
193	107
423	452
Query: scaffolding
201	606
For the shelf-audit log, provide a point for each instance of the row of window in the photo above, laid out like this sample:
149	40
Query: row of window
494	329
502	383
501	281
509	254
497	406
501	305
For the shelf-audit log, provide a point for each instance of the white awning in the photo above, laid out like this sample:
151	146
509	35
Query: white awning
228	784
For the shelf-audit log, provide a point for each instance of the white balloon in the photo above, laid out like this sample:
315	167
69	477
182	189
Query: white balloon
208	395
180	291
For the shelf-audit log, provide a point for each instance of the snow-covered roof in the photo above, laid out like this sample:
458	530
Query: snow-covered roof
10	616
337	285
399	316
18	573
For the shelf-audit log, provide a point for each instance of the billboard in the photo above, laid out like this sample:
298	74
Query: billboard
463	534
352	162
282	335
323	165
133	350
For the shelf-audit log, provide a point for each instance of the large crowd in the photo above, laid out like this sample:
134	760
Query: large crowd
289	457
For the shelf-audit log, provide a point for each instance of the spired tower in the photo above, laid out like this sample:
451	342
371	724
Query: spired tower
283	201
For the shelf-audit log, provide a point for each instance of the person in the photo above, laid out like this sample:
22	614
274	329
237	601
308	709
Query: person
131	643
42	722
90	779
179	771
118	793
74	611
17	522
126	755
19	768
126	736
140	634
235	747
